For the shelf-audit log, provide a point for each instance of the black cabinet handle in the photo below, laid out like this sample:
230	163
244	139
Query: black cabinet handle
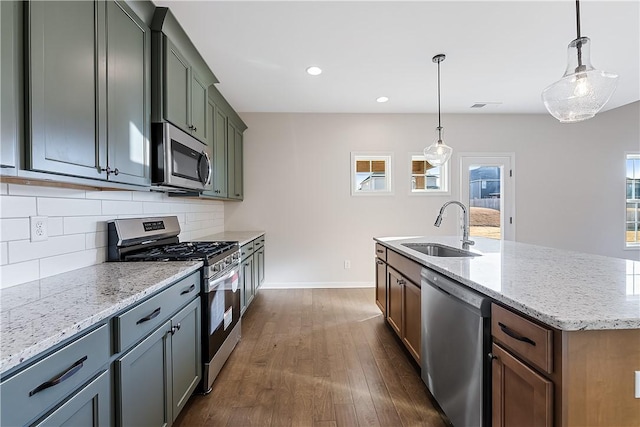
379	251
60	378
492	356
516	335
190	289
174	329
379	262
116	171
149	317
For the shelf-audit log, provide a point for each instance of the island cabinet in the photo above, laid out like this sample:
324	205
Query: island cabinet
403	300
88	67
542	376
71	386
159	361
381	278
181	77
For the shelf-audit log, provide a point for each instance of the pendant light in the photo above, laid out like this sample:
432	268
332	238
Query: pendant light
438	153
583	90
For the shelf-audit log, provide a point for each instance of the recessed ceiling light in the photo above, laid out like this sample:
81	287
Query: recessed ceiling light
382	99
314	71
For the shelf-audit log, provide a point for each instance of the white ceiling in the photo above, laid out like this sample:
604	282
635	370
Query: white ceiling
497	51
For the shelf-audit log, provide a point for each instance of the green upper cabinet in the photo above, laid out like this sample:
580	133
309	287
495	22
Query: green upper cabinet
67	88
128	95
181	77
10	84
217	143
235	163
89	86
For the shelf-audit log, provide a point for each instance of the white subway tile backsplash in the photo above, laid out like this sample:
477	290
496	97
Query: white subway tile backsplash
4	253
109	195
14	274
111	207
55	224
67	262
96	240
86	224
14	229
37	191
68	207
17	207
77	225
24	250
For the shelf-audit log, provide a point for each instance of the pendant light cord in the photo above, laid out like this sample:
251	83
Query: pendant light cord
579	44
439	125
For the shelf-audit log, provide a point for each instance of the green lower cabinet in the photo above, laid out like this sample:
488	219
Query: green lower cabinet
144	381
90	407
258	263
247	281
157	376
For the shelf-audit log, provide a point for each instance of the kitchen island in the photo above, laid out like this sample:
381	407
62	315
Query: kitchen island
589	307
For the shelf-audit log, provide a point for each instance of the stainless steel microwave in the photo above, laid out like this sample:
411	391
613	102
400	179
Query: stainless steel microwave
179	160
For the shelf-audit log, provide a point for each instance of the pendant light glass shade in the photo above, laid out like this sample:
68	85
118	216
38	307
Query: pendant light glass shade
438	153
583	90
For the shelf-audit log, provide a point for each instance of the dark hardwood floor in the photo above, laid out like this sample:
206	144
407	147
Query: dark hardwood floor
315	357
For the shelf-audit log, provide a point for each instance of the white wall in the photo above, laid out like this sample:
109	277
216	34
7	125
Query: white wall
77	225
570	185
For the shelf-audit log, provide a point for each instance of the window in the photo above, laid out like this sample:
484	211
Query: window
426	178
371	173
632	229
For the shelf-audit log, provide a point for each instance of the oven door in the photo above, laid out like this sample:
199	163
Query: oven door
222	311
180	159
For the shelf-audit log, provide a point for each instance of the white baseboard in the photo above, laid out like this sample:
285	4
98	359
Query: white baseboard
316	285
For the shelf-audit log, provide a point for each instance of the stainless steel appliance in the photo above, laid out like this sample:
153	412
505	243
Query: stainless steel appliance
156	239
178	159
456	337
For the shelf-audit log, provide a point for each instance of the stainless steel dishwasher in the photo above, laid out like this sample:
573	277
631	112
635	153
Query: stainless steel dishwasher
456	338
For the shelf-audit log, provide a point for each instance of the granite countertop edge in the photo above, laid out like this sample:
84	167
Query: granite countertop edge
77	326
561	322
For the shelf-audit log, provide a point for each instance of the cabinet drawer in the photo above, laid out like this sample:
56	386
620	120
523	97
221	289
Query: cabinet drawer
44	384
381	252
409	269
246	251
258	243
526	339
139	321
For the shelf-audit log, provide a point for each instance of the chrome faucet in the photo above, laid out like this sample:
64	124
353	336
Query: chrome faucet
465	227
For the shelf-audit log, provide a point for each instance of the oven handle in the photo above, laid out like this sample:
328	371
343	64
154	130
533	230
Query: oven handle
215	282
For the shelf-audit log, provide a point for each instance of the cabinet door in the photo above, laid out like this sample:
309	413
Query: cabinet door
208	188
247	280
10	83
520	396
185	352
411	319
199	100
231	160
176	90
129	96
67	88
259	259
381	286
91	407
219	153
144	381
238	182
394	299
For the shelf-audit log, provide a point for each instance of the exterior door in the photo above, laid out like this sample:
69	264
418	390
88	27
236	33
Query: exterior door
487	188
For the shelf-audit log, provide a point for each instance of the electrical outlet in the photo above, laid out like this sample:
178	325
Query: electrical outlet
39	228
347	264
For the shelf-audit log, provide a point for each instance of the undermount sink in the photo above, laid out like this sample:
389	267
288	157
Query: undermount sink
436	249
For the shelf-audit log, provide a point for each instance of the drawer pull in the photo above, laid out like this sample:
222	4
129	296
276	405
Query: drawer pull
190	289
379	262
73	369
174	329
149	317
516	335
379	251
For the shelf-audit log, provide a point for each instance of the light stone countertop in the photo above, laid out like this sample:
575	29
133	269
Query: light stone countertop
36	316
567	290
242	237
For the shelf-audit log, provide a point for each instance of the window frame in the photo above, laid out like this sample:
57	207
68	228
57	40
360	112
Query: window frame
445	177
629	246
387	157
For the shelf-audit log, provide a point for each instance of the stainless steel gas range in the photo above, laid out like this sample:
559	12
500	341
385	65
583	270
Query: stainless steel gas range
156	239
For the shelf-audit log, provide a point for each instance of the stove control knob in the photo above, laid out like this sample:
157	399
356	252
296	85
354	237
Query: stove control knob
217	267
